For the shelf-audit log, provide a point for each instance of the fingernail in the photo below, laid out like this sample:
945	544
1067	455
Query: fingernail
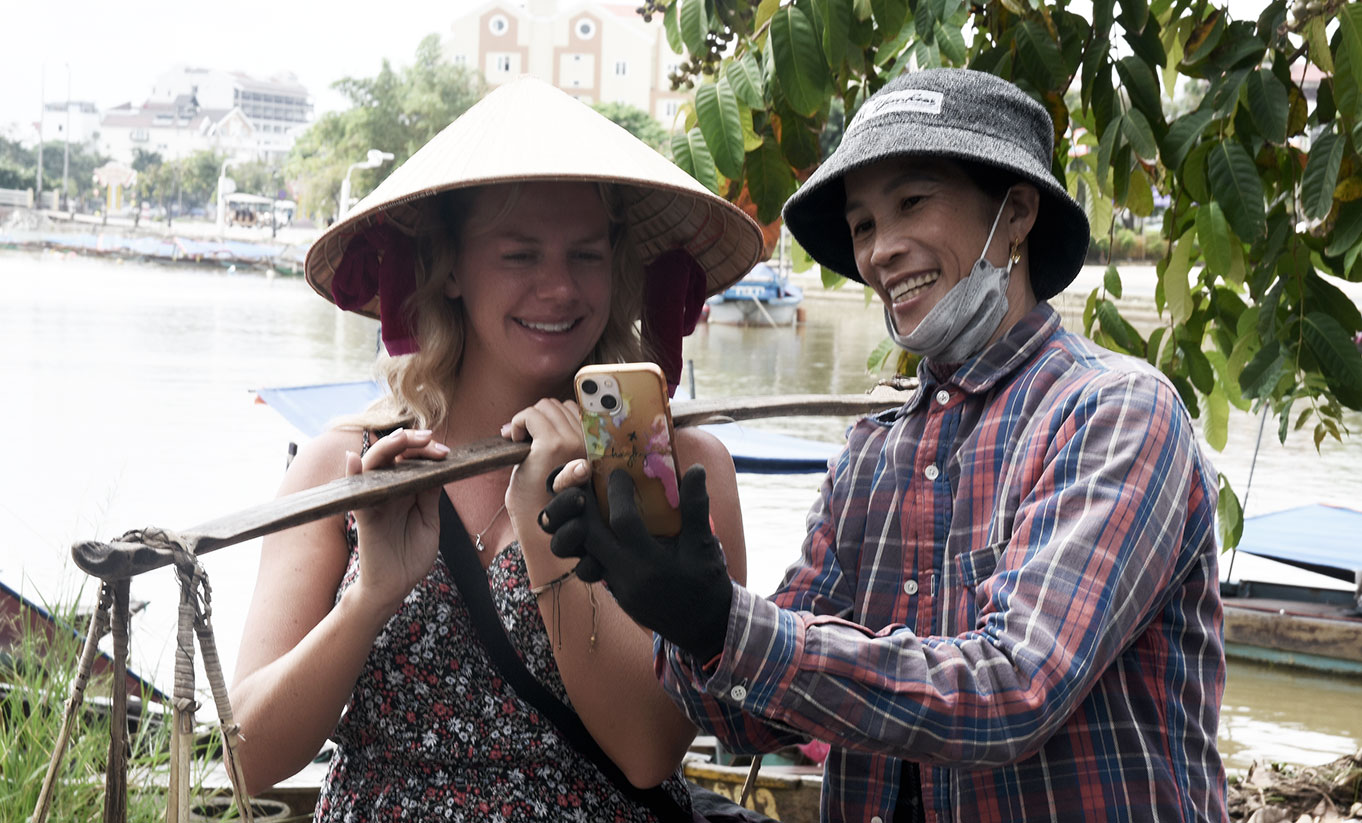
505	429
421	432
581	470
441	448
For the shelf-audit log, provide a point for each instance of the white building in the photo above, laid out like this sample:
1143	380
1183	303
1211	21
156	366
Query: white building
596	51
177	129
81	115
277	108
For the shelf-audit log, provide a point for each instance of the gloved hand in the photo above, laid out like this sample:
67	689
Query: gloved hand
678	587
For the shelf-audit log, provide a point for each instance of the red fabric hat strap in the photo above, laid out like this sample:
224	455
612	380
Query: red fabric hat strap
379	261
673	297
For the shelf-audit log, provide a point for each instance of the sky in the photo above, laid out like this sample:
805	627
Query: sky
114	51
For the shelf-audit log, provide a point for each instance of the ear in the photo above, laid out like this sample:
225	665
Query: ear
1024	201
452	288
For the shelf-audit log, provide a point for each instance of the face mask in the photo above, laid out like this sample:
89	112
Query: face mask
961	323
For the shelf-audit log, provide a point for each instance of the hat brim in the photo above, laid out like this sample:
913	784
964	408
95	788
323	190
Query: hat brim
528	131
1058	241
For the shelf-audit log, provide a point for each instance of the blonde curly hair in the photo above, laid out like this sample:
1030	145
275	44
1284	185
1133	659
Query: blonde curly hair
418	383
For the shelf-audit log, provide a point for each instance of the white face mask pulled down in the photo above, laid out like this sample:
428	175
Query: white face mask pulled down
961	323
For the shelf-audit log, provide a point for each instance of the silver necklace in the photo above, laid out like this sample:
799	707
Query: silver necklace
477	538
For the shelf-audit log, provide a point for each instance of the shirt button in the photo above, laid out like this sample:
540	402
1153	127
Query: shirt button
876	819
931	471
910	587
943	397
737	692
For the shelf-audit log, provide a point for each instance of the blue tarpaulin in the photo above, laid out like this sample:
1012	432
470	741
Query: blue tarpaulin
310	408
1320	538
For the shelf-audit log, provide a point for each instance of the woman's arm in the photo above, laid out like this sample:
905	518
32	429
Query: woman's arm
611	684
300	656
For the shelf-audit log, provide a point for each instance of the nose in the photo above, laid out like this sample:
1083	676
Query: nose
887	245
555	280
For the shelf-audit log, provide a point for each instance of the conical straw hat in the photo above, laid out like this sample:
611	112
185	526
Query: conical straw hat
527	130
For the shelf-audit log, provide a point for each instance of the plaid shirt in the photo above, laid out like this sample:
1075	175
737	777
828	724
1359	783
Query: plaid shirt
1012	581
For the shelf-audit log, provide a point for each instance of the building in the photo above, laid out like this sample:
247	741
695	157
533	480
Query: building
82	117
179	128
278	108
599	52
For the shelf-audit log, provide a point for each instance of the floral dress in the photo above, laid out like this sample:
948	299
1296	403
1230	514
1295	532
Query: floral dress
432	732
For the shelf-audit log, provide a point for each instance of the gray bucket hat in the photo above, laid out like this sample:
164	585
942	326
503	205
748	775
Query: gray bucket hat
963	115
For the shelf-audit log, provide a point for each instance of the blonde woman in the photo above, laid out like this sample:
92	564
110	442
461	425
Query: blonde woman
498	265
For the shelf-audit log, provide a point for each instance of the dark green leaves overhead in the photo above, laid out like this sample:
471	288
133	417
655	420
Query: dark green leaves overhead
694	24
1338	357
1236	186
716	109
1268	104
770	180
799	62
1321	174
692	155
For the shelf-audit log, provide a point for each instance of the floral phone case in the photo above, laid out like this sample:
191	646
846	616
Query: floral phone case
627	424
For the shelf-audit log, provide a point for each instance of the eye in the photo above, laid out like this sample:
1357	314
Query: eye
911	200
519	256
589	256
861	227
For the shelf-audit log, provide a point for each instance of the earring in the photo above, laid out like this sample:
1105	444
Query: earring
1014	250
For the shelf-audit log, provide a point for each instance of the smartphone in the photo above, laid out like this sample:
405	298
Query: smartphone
627	424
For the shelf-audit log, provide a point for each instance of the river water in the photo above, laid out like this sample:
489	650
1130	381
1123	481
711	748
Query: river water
128	403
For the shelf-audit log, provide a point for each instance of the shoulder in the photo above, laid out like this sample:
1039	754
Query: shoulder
322	459
695	445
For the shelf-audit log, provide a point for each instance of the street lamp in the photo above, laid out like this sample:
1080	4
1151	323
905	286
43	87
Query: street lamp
375	159
222	196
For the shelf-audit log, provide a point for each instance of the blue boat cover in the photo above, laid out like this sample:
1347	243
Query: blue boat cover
310	408
1320	538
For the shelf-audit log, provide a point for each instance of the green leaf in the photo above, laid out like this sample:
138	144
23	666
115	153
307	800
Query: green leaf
1182	136
1230	516
692	155
836	16
1318	42
1321	174
750	139
1268	105
1338	357
1089	312
1174	280
1217	422
1348	61
1198	368
798	60
1039	54
694	25
1236	186
890	15
800	261
770	180
952	43
1155	347
1140	198
1121	332
672	28
1142	86
716	109
798	140
1213	233
880	354
766	9
1111	281
1141	135
744	75
1347	228
1238	263
1260	372
1194	173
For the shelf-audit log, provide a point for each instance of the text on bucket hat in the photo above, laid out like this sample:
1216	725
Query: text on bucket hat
958	114
526	131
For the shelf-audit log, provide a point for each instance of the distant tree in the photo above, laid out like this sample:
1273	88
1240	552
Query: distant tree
637	122
199	178
257	177
395	111
17	165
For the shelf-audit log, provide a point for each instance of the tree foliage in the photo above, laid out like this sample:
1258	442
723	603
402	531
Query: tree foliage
396	111
19	167
1264	174
636	121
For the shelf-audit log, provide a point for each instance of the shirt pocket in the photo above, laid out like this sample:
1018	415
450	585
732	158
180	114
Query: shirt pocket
972	570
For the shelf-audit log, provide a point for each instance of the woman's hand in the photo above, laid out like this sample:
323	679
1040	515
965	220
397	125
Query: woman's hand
398	538
554	429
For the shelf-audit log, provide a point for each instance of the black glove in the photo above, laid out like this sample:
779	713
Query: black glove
678	587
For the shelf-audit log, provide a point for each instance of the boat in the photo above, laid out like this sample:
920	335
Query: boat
311	408
764	297
1309	627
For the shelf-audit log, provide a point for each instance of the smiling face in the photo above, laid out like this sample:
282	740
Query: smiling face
918	226
534	273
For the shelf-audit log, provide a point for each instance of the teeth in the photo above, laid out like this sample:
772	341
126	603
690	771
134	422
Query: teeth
911	286
547	327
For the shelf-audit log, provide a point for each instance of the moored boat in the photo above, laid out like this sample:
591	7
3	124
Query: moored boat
764	297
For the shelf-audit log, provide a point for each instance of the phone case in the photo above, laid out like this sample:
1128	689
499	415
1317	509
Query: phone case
627	424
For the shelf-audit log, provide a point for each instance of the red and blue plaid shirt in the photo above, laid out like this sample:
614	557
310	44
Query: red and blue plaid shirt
1012	581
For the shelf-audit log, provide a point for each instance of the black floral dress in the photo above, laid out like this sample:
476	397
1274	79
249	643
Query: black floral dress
432	732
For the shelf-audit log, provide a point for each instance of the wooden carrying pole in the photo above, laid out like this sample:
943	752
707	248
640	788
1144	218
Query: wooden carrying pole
132	556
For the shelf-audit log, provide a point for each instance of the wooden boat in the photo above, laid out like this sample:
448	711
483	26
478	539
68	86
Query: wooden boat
1303	626
762	298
